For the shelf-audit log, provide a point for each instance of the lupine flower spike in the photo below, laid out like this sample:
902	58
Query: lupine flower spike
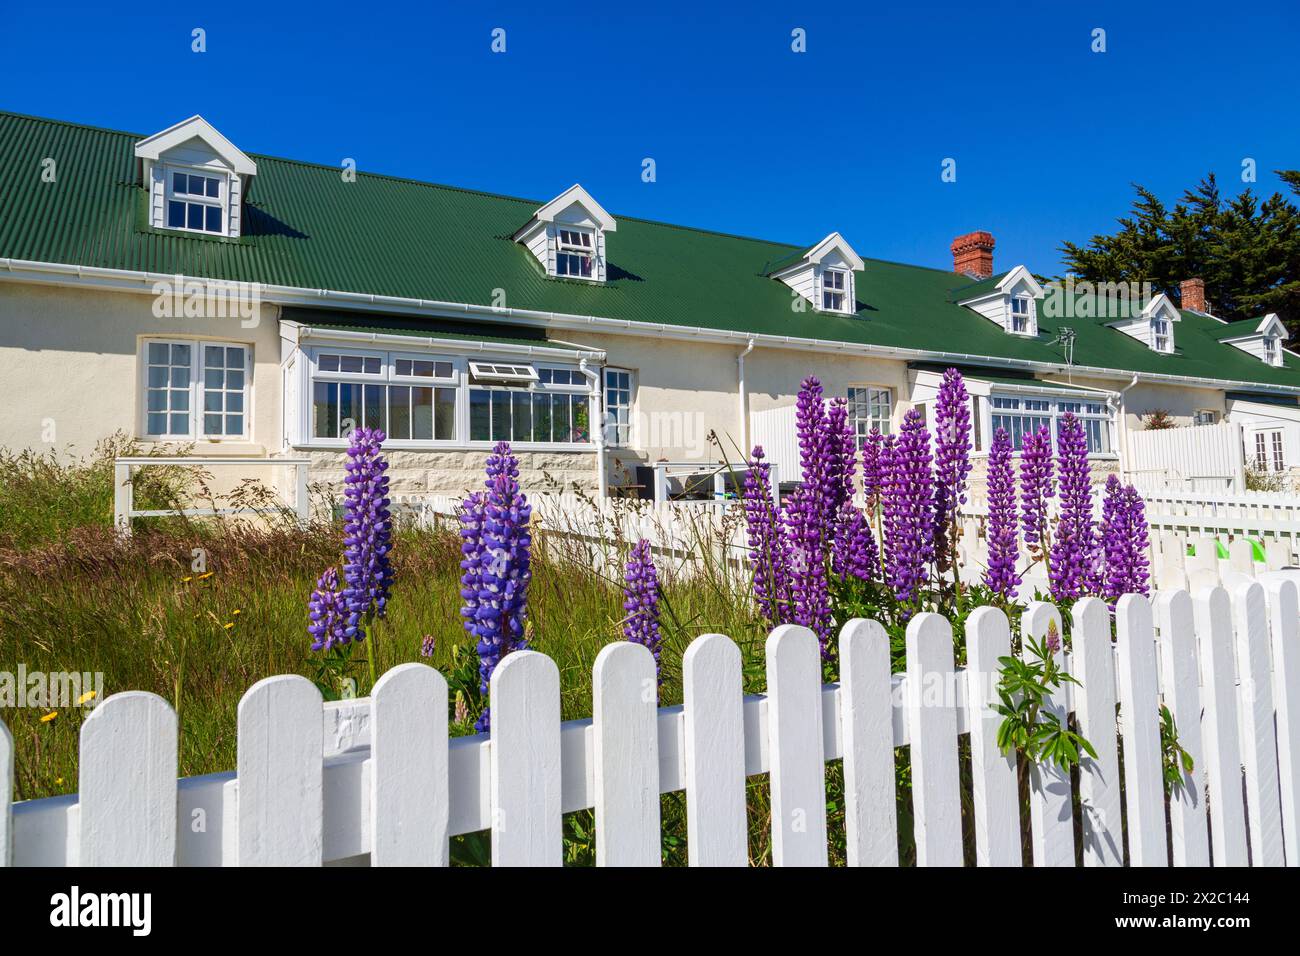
1000	576
641	601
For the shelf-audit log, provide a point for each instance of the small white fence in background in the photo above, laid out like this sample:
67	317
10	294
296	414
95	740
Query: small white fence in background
124	470
378	780
1202	458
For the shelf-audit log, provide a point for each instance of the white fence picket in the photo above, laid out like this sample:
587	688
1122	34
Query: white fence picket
625	726
1139	720
527	829
994	792
932	733
1093	666
794	733
1284	625
410	802
127	782
280	757
1181	680
867	728
1051	815
6	796
716	830
1219	728
1258	740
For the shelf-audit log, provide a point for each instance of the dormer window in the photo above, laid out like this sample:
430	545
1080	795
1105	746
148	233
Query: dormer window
1272	351
567	236
834	287
573	256
196	202
1161	337
1020	311
195	179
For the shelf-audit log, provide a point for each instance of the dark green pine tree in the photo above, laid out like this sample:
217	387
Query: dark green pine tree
1247	251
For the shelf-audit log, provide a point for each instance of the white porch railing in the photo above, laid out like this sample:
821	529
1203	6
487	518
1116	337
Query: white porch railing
379	778
124	488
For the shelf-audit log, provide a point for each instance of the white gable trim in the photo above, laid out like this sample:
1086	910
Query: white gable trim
1161	303
1021	274
196	127
835	243
576	194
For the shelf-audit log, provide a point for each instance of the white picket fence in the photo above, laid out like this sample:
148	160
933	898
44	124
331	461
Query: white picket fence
378	780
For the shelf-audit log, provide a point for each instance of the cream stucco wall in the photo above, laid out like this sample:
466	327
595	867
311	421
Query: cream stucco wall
71	361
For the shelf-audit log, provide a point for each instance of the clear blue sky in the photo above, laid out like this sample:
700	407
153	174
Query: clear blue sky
748	136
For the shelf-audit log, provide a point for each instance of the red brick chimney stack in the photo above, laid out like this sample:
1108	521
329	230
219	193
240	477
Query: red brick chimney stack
972	255
1191	293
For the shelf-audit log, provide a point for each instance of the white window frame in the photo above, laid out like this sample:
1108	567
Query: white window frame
844	290
220	202
196	390
1162	329
1270	450
461	379
618	434
1027	315
501	372
1049	409
1205	416
862	425
577	250
1272	352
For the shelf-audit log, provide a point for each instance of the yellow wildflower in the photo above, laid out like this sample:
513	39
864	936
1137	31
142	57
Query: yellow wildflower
206	574
88	695
228	625
50	716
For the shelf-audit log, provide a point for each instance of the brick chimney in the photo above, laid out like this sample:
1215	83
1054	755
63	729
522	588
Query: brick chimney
972	255
1191	294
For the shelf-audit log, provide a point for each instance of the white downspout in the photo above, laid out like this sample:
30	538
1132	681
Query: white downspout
602	480
743	407
1125	456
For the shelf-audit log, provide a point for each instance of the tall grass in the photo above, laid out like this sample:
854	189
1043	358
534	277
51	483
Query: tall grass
197	612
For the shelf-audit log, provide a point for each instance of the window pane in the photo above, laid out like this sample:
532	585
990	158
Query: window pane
235	379
373	365
399	411
442	369
328	363
175	214
422	413
212	424
349	363
325	410
156	401
157	424
212	401
180	424
500	416
180	183
194	215
402	367
213	214
234	401
541	417
180	401
523	416
479	415
213	378
581	416
374	406
349	408
445	414
214	187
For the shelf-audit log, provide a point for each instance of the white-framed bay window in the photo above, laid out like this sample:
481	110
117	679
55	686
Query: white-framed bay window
444	400
870	407
195	389
618	407
1022	415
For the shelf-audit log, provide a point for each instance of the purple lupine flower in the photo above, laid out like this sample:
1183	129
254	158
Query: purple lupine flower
808	584
841	457
428	645
1036	487
871	477
1000	576
809	418
1074	547
855	553
367	529
641	601
497	546
769	553
1125	539
327	613
908	501
951	462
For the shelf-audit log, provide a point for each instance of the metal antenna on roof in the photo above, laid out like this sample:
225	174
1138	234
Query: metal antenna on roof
1065	339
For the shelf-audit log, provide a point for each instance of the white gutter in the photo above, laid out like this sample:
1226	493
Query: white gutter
53	273
743	404
602	480
466	345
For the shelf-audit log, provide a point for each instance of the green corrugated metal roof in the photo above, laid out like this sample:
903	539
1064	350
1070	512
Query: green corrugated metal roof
1237	330
305	227
390	324
973	290
996	376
